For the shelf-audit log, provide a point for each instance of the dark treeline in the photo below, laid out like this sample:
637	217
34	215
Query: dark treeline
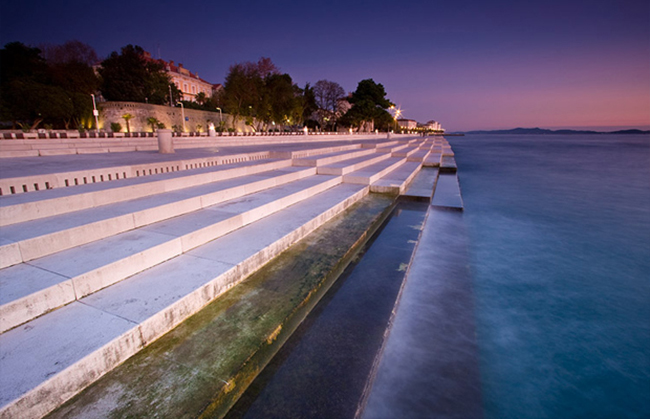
51	87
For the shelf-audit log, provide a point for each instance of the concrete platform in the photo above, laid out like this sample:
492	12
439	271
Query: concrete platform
423	185
447	193
96	269
88	338
397	181
370	174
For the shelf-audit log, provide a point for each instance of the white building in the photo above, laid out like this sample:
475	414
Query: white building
190	84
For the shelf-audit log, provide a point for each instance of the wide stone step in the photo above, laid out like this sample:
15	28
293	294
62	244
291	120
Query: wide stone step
29	290
370	174
391	149
51	358
420	155
348	166
46	203
330	158
30	240
433	159
405	152
397	180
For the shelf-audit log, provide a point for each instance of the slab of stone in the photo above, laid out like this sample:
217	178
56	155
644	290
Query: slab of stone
27	292
447	193
423	185
374	172
347	166
47	360
396	181
329	158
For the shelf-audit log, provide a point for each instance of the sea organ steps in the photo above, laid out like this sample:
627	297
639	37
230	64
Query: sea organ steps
62	373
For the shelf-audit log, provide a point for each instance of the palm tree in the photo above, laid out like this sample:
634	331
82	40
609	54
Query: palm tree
153	122
127	117
201	98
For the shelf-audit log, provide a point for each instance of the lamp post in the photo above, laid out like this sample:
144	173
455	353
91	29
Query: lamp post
182	114
96	113
220	116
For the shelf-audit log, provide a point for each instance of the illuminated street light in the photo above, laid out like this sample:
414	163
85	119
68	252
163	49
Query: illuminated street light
182	114
96	113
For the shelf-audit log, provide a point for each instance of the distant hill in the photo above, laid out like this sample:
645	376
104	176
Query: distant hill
541	131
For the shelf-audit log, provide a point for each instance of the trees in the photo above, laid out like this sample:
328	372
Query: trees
55	91
369	104
133	76
260	91
326	94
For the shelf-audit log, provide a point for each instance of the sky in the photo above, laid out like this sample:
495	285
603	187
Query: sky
469	64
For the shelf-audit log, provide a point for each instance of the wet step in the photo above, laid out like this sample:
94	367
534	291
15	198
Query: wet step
430	365
87	338
447	193
448	164
433	159
323	369
423	185
82	270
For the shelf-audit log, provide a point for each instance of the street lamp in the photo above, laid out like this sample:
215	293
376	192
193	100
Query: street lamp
96	113
182	114
220	116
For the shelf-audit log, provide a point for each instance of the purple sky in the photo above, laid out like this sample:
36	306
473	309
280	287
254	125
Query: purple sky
469	64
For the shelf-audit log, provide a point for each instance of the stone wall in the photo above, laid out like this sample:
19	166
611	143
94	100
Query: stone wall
110	112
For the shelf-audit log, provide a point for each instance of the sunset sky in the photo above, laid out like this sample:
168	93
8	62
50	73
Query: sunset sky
469	64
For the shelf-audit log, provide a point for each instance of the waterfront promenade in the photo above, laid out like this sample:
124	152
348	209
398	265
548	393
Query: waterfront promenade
102	252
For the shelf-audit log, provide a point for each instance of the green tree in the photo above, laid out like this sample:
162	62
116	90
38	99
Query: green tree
201	98
369	104
154	123
133	76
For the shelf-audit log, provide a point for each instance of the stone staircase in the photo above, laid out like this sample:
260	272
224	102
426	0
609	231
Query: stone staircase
91	273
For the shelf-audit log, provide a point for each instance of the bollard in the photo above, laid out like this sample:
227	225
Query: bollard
165	142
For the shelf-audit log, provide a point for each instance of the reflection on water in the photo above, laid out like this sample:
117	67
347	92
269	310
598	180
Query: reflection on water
559	233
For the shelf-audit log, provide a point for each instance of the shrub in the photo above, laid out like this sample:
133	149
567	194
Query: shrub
116	127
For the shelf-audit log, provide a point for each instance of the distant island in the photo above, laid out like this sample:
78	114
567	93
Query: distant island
540	131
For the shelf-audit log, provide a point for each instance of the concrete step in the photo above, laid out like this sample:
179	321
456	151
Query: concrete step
330	158
37	238
348	166
27	292
433	159
50	359
391	149
396	181
370	174
447	163
423	185
101	173
27	207
405	152
420	155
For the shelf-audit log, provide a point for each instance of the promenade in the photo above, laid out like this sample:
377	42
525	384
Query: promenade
103	253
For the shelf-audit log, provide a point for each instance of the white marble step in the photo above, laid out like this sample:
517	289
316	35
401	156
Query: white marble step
348	166
49	359
397	180
370	174
330	158
37	238
29	290
46	203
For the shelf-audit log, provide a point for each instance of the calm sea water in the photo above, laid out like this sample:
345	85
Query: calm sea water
559	230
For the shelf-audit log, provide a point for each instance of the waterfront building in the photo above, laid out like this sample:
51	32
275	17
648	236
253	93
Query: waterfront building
407	123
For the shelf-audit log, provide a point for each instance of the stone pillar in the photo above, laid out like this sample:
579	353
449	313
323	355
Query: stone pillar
165	141
211	130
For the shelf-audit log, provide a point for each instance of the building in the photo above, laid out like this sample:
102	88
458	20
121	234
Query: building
407	123
190	84
432	126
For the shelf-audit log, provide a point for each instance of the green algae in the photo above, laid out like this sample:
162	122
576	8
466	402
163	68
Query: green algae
200	368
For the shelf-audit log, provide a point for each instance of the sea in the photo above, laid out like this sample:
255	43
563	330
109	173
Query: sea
559	246
532	302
